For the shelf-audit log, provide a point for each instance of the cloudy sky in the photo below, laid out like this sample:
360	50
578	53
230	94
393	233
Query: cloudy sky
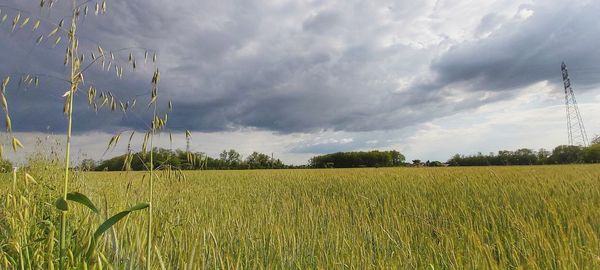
429	78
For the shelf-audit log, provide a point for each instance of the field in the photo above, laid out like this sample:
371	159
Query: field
545	217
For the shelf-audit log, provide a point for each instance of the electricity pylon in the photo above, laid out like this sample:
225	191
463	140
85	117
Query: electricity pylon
575	127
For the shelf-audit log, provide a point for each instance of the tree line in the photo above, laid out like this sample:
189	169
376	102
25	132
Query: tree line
358	159
562	154
233	160
163	158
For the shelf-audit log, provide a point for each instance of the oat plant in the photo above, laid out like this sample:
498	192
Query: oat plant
75	60
157	124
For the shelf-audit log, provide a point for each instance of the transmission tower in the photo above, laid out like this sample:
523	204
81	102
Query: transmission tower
575	128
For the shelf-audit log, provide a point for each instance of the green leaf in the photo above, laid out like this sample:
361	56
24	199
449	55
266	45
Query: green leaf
116	218
109	223
82	199
61	204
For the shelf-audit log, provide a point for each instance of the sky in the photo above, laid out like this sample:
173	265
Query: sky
429	78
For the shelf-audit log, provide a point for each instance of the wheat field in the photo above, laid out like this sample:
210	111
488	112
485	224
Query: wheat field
544	217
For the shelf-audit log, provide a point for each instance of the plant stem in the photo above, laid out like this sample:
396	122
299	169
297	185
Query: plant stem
15	179
74	82
149	247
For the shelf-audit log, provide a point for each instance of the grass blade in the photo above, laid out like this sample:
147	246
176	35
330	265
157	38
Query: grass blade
82	199
116	218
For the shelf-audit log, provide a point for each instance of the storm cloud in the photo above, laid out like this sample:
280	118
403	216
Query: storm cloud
310	66
527	48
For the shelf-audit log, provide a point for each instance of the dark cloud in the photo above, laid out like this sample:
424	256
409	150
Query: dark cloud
301	67
525	51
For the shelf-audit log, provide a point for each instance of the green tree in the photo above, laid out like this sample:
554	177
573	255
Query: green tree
358	159
434	163
566	154
543	155
397	158
87	165
591	154
258	161
231	159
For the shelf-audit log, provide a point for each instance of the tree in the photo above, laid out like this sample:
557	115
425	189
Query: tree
543	155
223	156
397	158
258	161
178	160
455	160
87	165
591	154
231	159
524	156
434	163
566	154
358	159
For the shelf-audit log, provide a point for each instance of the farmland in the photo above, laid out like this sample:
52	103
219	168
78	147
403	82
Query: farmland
534	217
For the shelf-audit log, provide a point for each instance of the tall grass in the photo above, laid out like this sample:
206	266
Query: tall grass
156	124
74	80
436	218
75	61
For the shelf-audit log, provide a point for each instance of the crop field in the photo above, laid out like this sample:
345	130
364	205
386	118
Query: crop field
544	217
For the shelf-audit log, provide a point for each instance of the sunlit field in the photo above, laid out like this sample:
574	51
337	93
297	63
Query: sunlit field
545	217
